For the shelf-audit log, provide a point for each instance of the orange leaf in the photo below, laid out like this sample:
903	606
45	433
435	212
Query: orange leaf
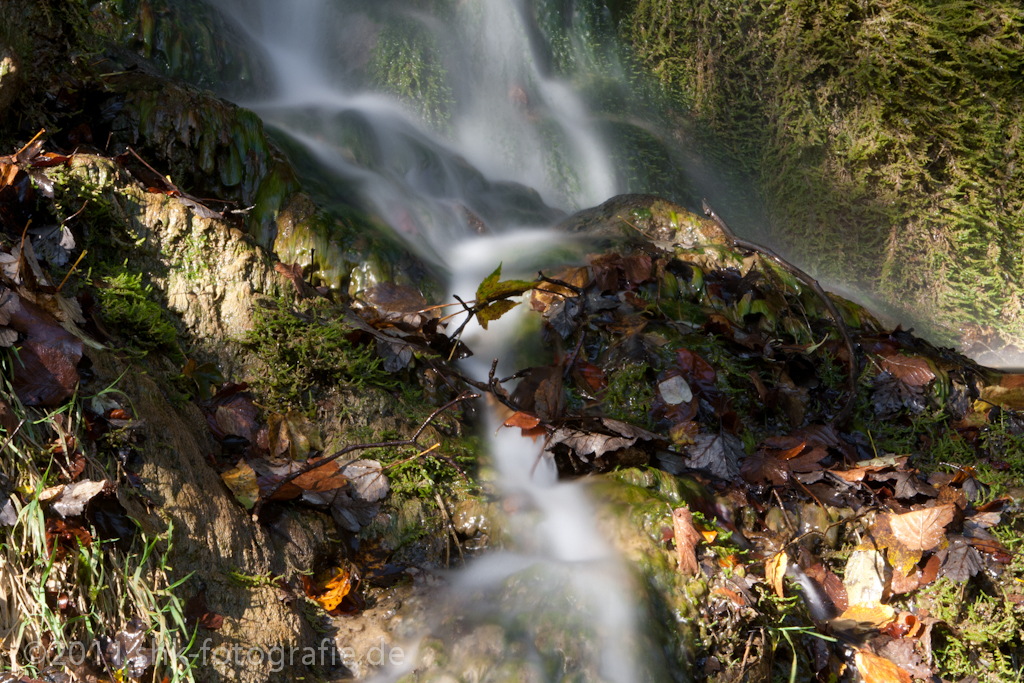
922	529
522	420
875	669
774	570
335	586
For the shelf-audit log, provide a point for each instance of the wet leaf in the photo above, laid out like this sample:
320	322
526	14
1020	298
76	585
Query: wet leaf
493	311
238	417
586	444
875	669
675	390
492	288
901	652
53	243
331	588
241	480
529	424
873	615
717	454
205	376
126	651
686	539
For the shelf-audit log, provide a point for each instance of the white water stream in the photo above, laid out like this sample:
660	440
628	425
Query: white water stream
511	123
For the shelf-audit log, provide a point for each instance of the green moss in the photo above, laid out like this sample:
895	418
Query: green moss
629	395
307	347
884	136
406	62
130	312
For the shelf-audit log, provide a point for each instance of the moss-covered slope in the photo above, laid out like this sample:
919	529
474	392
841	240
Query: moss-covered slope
884	135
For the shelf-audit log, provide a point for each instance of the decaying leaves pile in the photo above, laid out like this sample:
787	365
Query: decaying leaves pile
736	377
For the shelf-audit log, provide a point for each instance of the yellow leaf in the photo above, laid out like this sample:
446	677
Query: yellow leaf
876	615
242	482
774	570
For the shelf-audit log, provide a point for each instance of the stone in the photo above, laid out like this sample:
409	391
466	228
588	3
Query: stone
10	77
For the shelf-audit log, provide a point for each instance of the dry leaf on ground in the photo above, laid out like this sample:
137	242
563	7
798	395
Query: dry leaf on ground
686	540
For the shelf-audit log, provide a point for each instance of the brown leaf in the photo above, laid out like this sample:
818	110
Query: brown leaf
686	539
44	375
961	562
583	444
196	612
718	454
875	669
913	371
921	529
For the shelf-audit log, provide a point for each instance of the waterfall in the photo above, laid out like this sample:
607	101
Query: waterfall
499	130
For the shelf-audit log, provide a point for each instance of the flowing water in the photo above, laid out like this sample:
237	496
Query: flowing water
480	131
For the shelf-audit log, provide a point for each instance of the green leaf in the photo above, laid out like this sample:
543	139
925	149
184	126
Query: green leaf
494	311
491	289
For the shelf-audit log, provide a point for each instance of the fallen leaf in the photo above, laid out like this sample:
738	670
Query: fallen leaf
242	482
675	390
717	454
775	570
875	669
913	371
961	562
874	615
686	539
921	529
329	588
197	613
75	497
585	444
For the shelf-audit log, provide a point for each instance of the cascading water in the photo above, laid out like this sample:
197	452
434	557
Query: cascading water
428	173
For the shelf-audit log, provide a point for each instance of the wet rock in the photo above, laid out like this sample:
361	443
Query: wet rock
10	77
470	518
630	215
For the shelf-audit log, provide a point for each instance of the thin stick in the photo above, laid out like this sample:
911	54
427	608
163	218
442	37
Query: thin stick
451	528
27	144
851	381
320	462
159	174
80	257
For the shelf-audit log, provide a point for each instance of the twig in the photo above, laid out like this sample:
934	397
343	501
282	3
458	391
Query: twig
320	462
560	283
851	381
80	257
29	143
451	528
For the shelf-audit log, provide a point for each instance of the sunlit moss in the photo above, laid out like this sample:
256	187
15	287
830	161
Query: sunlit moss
885	136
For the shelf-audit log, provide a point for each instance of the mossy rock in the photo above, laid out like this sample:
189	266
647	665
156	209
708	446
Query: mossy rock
644	216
